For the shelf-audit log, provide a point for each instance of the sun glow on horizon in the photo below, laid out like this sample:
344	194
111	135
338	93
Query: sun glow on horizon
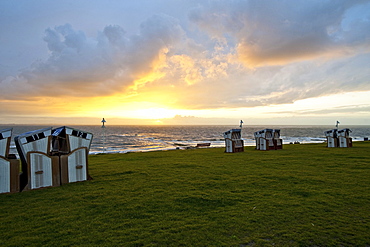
151	113
155	111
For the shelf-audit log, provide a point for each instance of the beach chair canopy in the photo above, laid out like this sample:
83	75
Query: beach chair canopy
331	133
264	133
5	136
67	139
5	133
36	141
233	134
344	132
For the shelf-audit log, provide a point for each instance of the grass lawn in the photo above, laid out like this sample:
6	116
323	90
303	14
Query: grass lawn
302	195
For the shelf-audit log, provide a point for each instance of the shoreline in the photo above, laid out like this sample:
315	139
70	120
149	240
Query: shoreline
192	147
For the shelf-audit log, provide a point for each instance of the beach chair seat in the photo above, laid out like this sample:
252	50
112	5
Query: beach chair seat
74	166
43	170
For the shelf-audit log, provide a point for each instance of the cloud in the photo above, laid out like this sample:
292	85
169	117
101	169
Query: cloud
242	54
282	32
192	120
232	87
90	66
340	110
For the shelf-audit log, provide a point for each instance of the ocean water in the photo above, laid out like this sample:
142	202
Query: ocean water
124	139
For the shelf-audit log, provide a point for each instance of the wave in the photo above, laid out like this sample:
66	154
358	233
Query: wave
126	139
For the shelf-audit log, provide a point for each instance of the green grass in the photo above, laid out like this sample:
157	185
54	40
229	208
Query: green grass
303	195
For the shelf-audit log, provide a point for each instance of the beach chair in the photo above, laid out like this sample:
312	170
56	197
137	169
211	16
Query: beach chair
331	138
39	168
257	138
265	139
9	164
72	146
233	141
344	140
278	142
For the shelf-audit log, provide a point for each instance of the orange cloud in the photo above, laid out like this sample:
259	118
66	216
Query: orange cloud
188	70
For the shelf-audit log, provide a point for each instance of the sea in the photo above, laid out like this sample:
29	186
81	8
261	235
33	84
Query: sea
141	138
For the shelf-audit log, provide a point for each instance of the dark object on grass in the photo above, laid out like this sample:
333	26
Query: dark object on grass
199	145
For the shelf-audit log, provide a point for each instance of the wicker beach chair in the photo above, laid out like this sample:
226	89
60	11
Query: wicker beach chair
233	141
331	138
72	146
9	164
39	168
344	140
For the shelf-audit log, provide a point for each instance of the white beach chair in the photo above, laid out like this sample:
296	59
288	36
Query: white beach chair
331	138
39	168
9	165
265	139
233	141
73	147
278	142
344	140
257	136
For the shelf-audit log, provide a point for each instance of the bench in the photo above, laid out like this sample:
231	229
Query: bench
203	145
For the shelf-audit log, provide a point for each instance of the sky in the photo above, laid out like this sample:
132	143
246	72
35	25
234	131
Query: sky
210	62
